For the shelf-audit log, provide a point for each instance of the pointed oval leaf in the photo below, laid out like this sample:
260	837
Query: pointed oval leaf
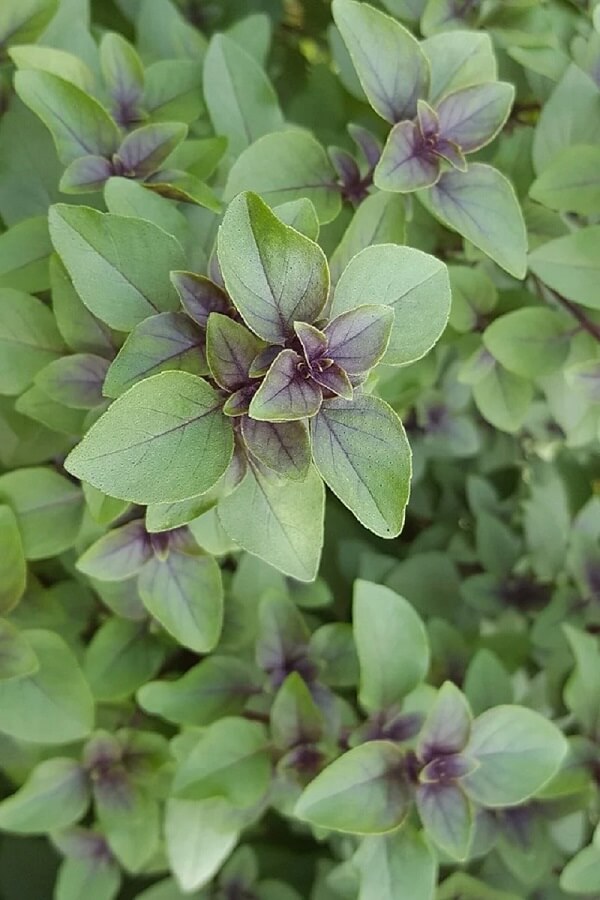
285	394
13	568
396	865
163	440
283	447
230	350
29	339
117	555
55	795
570	265
75	381
85	175
359	338
274	274
200	296
380	219
406	164
447	817
144	150
361	451
473	116
17	658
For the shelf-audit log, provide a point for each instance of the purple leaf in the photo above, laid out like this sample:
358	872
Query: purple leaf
446	768
230	350
282	446
314	342
344	164
118	555
285	394
473	116
447	726
86	174
407	162
200	296
429	122
262	363
447	817
359	338
144	150
452	153
367	142
334	379
238	403
75	381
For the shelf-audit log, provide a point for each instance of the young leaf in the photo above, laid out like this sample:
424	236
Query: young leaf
447	726
392	68
240	98
362	792
56	698
359	338
169	341
473	116
13	568
119	266
144	150
57	62
285	394
406	164
230	350
85	175
461	200
291	513
518	752
200	296
275	275
123	74
163	440
392	646
413	283
184	593
459	59
28	340
362	453
79	125
284	166
295	718
55	795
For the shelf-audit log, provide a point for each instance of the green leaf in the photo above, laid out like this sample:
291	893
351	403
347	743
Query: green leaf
48	509
57	62
447	818
301	215
169	341
357	339
380	219
274	275
28	339
24	252
184	593
361	451
529	342
472	116
285	395
487	682
448	724
284	166
53	705
571	183
458	59
119	266
481	205
503	398
164	440
173	91
392	646
392	68
295	717
55	795
17	658
290	512
413	283
13	568
230	350
81	331
473	296
74	381
217	687
283	447
581	875
230	760
130	821
582	689
200	835
79	125
126	197
36	404
240	98
24	21
518	752
94	877
362	792
121	657
117	555
396	865
123	73
570	265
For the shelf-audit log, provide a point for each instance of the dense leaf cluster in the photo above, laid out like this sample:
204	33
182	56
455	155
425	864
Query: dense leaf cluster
299	416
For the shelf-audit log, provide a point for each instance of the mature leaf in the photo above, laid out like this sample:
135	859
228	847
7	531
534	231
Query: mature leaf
129	817
48	508
169	341
119	266
275	275
55	795
301	215
462	201
230	350
79	125
56	698
570	265
184	593
24	252
58	62
394	865
392	68
380	219
406	164
362	792
285	394
123	75
24	21
581	691
17	658
571	182
447	817
74	380
284	166
240	98
582	872
459	59
518	752
295	717
291	515
200	835
13	567
173	90
529	342
473	116
361	451
413	283
28	339
120	658
392	646
474	295
163	440
283	447
81	331
503	398
230	760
